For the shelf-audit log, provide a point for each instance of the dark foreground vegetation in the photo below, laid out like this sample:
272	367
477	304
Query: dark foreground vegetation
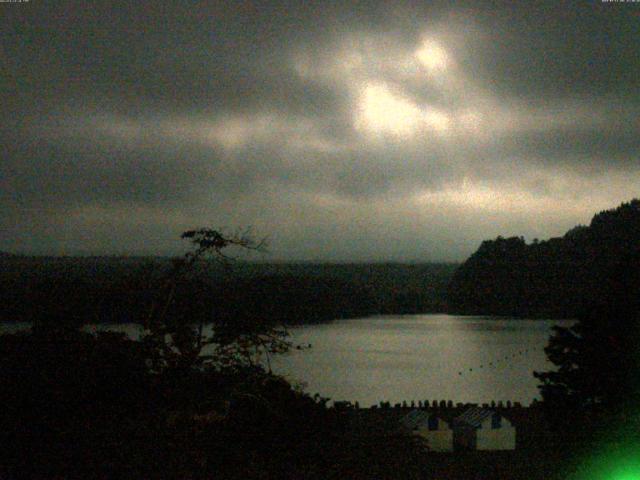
177	403
79	406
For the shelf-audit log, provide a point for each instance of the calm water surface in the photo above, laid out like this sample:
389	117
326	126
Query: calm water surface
418	357
412	357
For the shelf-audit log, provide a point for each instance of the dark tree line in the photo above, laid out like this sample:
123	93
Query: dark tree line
551	278
120	290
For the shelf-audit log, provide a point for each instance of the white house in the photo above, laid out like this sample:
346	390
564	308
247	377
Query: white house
483	429
430	426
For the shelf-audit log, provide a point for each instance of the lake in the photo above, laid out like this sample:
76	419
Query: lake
413	357
418	357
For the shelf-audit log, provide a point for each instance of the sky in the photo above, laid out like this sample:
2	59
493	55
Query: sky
341	131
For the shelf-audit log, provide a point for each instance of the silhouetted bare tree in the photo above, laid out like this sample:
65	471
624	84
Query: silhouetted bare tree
183	341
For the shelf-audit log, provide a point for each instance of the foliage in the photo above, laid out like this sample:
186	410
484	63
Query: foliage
549	278
77	405
63	393
181	402
597	375
177	340
122	289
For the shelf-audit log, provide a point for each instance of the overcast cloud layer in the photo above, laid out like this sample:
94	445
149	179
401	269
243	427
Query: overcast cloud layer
371	132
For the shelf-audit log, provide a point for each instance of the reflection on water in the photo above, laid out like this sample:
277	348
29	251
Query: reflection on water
410	357
419	357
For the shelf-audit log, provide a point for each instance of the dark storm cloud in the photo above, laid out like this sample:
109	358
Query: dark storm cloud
78	173
313	120
209	56
561	49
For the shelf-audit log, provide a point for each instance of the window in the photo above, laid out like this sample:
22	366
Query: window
433	422
496	421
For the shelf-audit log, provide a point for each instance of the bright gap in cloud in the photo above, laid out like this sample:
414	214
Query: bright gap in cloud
432	56
382	111
479	196
570	194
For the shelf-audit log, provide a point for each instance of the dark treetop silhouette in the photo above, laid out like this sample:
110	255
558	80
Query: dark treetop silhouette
549	278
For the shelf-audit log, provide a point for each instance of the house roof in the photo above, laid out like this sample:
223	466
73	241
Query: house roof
416	418
474	416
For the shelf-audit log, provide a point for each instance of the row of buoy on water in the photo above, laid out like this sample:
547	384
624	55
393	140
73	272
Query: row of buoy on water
495	363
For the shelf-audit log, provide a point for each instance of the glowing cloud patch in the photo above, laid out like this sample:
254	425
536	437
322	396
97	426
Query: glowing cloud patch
382	111
433	56
437	120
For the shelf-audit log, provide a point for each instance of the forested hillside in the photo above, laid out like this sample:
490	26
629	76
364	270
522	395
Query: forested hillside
559	277
119	289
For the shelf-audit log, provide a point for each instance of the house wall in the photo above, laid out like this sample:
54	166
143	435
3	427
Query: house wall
503	438
440	440
464	438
